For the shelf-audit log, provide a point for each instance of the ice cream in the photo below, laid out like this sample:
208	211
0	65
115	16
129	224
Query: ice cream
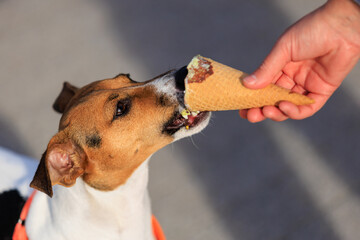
212	86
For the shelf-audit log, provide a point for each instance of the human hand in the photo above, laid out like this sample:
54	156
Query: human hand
312	58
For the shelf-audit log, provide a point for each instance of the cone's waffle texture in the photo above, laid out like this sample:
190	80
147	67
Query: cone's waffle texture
212	86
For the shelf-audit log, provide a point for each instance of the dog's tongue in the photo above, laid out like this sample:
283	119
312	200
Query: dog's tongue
191	119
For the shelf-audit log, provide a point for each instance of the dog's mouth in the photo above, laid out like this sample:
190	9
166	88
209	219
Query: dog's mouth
184	119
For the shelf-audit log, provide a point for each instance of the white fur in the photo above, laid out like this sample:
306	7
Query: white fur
82	212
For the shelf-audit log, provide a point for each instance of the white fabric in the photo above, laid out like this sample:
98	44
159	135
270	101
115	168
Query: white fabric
16	171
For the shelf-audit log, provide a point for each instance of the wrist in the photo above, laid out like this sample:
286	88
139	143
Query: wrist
346	4
344	16
356	1
355	4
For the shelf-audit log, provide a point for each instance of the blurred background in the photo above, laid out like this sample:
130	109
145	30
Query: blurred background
235	180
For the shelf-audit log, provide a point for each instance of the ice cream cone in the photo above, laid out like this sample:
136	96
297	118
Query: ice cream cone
212	86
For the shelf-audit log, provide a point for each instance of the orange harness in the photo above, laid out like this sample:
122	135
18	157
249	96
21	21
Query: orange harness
20	232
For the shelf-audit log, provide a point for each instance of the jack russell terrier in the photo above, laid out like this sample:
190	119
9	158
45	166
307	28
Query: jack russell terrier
108	131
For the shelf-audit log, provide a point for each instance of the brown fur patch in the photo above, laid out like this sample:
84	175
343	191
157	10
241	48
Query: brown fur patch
107	157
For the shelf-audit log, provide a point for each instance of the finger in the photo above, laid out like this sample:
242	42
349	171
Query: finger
299	89
285	81
274	113
272	65
255	115
296	112
303	111
243	113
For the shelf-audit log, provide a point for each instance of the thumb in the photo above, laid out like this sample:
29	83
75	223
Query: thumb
270	68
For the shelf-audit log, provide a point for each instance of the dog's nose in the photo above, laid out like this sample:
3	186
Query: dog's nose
180	76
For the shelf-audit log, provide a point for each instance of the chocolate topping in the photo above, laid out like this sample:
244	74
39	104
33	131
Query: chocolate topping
199	69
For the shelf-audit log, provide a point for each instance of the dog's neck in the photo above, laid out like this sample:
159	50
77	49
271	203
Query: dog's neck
91	214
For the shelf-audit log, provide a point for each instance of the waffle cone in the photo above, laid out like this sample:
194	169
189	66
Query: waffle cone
212	86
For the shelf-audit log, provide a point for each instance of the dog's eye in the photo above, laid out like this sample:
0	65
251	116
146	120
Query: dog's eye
122	107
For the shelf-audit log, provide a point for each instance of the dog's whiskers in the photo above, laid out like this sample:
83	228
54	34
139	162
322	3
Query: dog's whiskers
193	142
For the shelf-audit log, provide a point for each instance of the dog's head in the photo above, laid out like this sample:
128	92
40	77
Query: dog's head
109	127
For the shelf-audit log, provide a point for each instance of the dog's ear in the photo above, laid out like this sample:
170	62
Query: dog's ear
67	92
61	164
41	180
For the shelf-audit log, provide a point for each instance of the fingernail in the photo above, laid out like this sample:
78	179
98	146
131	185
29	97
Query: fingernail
250	80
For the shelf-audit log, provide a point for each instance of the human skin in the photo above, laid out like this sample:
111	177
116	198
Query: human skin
312	57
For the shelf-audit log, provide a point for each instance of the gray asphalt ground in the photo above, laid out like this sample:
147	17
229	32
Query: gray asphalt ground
275	181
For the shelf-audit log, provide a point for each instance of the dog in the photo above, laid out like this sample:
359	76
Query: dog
108	131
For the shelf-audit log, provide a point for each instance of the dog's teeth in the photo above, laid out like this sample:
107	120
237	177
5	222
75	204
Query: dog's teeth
195	113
